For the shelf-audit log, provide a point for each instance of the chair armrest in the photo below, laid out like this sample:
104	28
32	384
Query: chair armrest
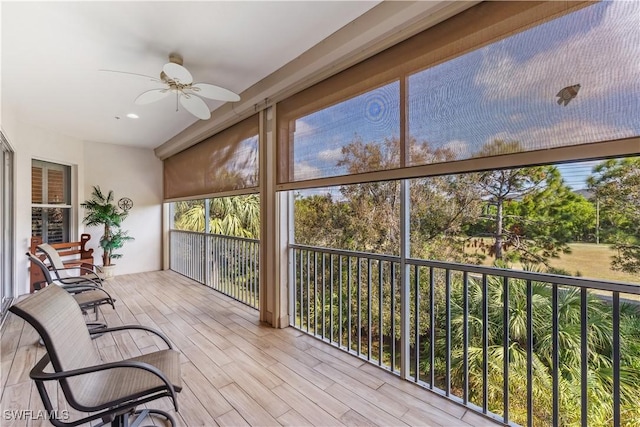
78	289
86	282
78	267
79	262
38	373
139	327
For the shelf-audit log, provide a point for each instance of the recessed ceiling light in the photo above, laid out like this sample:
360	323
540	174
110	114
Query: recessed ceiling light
132	116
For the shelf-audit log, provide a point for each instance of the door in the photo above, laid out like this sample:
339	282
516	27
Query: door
7	226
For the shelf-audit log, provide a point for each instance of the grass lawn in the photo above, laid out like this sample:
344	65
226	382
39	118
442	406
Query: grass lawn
592	261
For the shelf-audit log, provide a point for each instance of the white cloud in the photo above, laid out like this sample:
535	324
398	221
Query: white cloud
304	170
459	147
603	60
570	132
303	128
331	155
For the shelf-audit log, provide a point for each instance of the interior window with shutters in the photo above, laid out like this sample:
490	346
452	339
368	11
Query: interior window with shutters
50	201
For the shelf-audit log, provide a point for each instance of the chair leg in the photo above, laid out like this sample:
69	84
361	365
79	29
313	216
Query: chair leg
95	326
144	413
122	420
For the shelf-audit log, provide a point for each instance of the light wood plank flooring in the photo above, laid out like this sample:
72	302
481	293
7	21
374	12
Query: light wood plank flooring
235	371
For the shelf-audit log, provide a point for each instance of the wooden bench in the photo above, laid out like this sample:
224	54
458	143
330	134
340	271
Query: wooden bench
74	254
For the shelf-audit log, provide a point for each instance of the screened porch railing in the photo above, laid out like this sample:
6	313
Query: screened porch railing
494	340
225	263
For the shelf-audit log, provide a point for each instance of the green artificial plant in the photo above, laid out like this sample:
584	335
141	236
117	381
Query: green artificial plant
100	210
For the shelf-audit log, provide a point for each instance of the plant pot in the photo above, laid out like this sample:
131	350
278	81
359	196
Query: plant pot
108	271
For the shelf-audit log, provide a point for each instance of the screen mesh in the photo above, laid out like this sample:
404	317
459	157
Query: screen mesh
572	80
224	162
331	141
499	78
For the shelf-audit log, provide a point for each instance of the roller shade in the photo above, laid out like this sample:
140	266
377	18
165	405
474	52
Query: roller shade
496	79
225	162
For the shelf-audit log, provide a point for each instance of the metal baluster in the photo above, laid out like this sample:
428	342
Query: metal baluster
236	269
505	342
349	304
555	356
616	358
238	276
190	259
315	292
359	305
584	323
256	274
302	301
232	269
432	326
416	326
298	290
229	267
216	245
308	290
465	337
192	266
393	317
380	306
331	298
369	309
243	260
448	331
225	264
324	285
340	296
529	354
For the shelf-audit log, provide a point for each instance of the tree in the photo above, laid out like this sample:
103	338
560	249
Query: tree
373	207
236	216
616	185
599	344
367	215
321	221
232	216
523	207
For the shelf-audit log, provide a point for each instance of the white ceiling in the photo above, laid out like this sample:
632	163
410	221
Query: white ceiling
52	51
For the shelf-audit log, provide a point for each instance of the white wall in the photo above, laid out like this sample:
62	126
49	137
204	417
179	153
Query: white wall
132	172
30	142
135	173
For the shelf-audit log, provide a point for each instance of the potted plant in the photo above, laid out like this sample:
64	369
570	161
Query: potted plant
100	210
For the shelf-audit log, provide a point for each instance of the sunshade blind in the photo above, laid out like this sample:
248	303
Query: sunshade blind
483	83
225	162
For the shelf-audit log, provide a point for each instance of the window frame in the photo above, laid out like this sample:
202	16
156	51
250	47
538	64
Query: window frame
68	183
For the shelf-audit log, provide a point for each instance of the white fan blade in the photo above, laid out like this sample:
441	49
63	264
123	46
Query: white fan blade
152	95
155	79
177	72
195	106
215	92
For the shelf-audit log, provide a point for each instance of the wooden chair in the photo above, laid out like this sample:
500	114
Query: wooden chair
107	391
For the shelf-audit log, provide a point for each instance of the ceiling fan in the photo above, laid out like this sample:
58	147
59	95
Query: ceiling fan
177	80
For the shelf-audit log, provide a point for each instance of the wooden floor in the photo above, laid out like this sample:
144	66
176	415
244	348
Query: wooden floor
235	371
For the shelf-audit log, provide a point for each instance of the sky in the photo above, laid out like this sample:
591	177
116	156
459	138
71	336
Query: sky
506	90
